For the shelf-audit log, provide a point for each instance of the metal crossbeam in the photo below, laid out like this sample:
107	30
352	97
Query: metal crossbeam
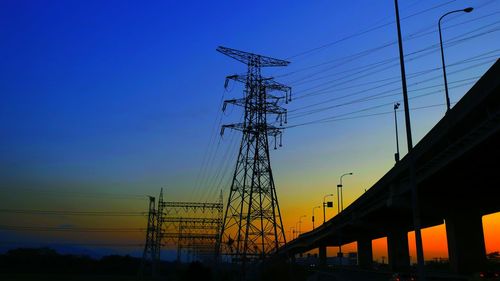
250	58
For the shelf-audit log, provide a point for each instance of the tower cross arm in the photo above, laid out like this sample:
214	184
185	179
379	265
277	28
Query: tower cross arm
236	126
250	58
268	82
235	77
276	86
238	102
273	108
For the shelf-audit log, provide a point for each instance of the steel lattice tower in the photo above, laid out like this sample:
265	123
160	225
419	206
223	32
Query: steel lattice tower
252	227
149	254
158	233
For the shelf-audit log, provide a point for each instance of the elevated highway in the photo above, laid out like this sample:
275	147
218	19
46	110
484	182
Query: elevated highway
458	181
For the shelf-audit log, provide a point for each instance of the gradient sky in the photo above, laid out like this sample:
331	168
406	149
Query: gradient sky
105	100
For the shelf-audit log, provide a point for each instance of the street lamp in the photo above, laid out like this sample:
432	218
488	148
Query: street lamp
292	232
340	198
467	10
299	223
340	203
313	214
326	204
396	156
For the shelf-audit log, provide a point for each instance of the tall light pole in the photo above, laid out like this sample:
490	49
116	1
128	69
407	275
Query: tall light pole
467	10
340	207
411	163
292	232
340	197
396	156
313	214
326	204
299	224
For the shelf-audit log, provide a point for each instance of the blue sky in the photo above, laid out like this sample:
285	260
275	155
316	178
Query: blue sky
124	97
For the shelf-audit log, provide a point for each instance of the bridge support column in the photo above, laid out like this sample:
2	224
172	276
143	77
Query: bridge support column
397	248
466	249
322	256
365	253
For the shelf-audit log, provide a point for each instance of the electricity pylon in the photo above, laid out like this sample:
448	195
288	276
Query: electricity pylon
157	235
252	227
149	254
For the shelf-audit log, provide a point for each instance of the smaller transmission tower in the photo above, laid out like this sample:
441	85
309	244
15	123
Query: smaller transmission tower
149	254
157	235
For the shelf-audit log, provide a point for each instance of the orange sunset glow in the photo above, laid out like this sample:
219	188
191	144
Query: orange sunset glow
249	140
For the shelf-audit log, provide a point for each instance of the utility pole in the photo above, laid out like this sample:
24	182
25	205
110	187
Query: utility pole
411	162
317	207
328	204
252	227
340	207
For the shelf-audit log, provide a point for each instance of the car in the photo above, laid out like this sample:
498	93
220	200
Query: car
402	276
486	275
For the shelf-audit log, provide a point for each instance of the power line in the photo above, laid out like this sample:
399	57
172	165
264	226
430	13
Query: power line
73	244
333	118
393	92
210	192
212	187
336	118
69	229
420	33
224	168
74	213
294	111
99	195
216	170
411	76
365	31
374	70
363	53
381	113
208	155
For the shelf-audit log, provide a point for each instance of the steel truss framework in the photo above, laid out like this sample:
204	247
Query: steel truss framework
252	227
150	248
190	227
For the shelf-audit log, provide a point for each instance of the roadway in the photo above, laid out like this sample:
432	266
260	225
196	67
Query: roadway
457	182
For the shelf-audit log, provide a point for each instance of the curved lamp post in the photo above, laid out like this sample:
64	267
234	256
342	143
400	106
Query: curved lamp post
340	198
325	204
299	223
466	10
313	214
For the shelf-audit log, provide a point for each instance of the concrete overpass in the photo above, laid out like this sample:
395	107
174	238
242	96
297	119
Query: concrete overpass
458	179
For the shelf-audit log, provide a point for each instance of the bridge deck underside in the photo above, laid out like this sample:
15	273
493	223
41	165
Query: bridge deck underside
457	165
